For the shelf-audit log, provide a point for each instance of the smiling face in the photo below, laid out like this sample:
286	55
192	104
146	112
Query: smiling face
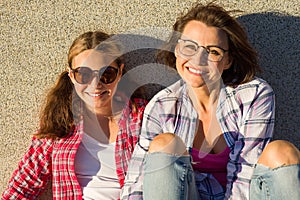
96	95
197	70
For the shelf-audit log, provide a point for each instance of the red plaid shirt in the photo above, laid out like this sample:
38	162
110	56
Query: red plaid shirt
48	159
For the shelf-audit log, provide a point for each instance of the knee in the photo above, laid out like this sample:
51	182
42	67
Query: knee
279	153
168	143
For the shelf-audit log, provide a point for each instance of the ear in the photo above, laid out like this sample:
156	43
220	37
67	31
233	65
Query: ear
71	75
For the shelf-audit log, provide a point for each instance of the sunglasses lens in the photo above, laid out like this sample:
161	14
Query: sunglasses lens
108	75
83	75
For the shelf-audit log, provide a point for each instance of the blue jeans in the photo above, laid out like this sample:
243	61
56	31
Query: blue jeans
282	183
169	177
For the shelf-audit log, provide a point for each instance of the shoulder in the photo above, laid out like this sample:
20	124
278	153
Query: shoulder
139	102
42	146
133	110
168	100
173	92
250	90
36	141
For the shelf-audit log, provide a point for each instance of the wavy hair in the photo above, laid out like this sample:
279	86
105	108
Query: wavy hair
245	61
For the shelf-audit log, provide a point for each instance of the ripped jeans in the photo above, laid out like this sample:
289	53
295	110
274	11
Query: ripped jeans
282	183
169	177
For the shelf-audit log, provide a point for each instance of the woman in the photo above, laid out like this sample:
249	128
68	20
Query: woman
88	128
202	137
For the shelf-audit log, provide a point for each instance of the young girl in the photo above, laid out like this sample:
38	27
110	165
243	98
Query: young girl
88	128
203	136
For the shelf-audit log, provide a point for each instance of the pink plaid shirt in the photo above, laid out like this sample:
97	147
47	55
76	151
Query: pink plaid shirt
48	159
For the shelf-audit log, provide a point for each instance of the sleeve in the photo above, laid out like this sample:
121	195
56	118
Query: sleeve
33	172
150	128
254	129
130	126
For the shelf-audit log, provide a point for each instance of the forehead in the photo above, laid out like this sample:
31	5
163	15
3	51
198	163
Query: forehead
93	59
205	35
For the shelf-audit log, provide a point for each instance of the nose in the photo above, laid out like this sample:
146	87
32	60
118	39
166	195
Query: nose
201	57
96	80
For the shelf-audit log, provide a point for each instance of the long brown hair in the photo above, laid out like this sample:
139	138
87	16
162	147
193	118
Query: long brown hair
61	107
245	62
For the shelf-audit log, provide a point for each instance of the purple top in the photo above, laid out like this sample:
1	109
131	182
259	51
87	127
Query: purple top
214	164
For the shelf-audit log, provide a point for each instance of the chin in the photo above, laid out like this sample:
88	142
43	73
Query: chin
195	83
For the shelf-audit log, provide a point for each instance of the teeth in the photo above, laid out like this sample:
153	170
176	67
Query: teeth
95	95
195	71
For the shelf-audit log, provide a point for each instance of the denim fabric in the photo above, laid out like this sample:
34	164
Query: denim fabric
169	177
282	183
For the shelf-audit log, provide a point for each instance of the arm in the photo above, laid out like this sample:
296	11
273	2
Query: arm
250	129
33	172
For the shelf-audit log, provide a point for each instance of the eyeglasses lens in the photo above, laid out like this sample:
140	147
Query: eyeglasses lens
189	48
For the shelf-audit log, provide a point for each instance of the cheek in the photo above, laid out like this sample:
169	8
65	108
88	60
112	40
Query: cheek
180	64
216	70
179	69
113	87
79	88
222	66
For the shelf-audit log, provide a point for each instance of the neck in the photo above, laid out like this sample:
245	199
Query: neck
102	126
204	98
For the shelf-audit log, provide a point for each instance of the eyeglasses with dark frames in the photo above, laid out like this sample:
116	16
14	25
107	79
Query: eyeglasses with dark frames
190	48
84	75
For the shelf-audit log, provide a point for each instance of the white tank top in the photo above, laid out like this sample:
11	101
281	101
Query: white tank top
95	169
